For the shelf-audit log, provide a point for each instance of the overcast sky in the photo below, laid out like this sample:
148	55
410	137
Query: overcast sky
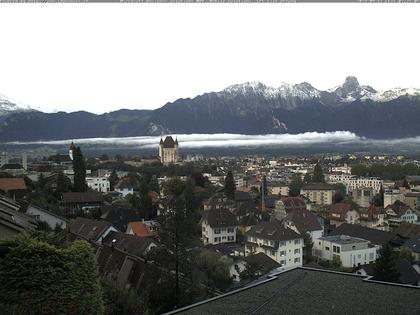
103	57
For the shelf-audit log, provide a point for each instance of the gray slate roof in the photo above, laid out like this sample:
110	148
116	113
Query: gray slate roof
220	218
272	231
309	291
376	237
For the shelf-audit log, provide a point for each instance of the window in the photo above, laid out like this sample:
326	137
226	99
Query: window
217	239
282	262
273	253
297	241
272	243
297	251
230	238
283	253
338	249
282	243
327	248
230	230
297	260
217	231
223	237
334	249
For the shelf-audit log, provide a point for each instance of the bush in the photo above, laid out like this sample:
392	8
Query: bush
39	278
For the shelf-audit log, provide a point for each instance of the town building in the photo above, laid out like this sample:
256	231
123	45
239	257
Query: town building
90	230
304	221
53	220
124	187
100	184
399	212
168	150
318	193
276	241
392	195
218	225
340	213
350	250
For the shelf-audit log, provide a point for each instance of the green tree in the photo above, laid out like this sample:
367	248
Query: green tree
295	185
113	180
40	278
264	185
230	186
318	175
340	193
79	169
378	200
308	245
335	263
406	253
178	235
63	183
385	268
118	298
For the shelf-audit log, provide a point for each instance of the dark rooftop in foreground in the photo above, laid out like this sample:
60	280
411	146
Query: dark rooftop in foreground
312	291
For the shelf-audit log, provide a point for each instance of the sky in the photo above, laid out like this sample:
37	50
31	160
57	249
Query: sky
103	57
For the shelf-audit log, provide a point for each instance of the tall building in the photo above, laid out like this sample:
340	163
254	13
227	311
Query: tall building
168	150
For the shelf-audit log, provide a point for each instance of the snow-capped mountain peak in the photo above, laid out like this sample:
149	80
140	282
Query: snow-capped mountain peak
7	106
351	90
285	90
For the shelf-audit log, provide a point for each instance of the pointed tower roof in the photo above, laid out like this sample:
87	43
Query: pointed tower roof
176	140
161	141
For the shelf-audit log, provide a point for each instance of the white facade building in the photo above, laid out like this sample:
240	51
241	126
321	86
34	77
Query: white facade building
352	251
392	195
279	243
218	226
100	184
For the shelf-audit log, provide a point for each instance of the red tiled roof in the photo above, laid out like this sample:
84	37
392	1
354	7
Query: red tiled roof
140	229
339	208
7	184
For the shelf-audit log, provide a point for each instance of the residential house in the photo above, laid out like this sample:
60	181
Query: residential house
119	217
85	201
304	221
260	262
141	229
124	187
15	188
277	188
53	220
350	250
276	241
100	184
132	244
372	217
399	212
340	213
407	274
218	226
13	222
374	236
392	195
412	199
318	193
90	230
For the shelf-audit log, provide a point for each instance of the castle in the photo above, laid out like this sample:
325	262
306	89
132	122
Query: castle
168	150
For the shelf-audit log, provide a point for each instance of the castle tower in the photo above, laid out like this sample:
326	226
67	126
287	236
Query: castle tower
168	150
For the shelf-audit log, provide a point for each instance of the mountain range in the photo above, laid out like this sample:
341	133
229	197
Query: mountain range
248	108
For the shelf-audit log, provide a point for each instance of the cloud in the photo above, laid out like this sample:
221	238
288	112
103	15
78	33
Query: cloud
217	140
